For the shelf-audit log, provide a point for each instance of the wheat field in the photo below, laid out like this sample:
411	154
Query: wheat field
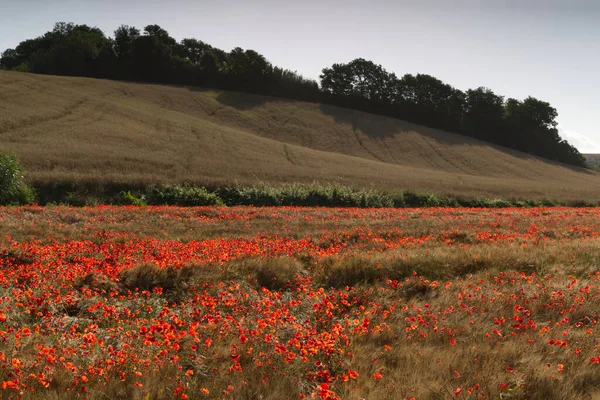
67	129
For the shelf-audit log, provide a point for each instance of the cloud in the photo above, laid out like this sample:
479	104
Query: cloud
583	143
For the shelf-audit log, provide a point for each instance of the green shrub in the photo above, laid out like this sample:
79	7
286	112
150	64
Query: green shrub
483	202
549	203
373	199
333	196
297	194
499	203
580	203
13	189
412	199
450	202
432	201
397	199
245	196
182	195
533	203
129	198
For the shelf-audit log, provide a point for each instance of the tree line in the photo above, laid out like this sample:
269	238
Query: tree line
152	55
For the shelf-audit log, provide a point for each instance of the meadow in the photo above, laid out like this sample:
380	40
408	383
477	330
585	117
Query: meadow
291	302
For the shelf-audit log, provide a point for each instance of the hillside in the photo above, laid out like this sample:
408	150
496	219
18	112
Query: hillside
77	129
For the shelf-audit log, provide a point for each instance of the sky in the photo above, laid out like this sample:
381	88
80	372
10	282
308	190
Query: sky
547	49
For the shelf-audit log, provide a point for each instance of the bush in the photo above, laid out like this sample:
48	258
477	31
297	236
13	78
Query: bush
13	189
397	199
373	199
451	202
549	203
412	199
182	195
262	195
433	201
331	195
131	199
499	203
296	194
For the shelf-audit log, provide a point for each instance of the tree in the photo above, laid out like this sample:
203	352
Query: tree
9	59
246	69
337	80
68	49
430	101
484	115
532	126
359	78
125	36
161	34
286	83
151	59
193	50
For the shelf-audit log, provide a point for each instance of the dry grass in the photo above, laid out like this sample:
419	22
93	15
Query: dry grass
76	129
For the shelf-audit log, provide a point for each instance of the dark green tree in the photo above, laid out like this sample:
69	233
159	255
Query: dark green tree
9	59
125	36
430	101
246	69
193	50
359	78
152	60
484	115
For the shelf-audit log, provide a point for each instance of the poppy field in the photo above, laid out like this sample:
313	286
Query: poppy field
112	302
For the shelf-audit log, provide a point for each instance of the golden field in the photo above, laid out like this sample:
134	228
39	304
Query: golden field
76	129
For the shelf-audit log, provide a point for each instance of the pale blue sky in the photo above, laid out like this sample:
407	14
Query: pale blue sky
545	48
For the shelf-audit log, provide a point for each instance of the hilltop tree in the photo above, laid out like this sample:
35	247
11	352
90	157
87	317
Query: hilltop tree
151	59
246	69
161	34
533	128
66	50
484	115
125	36
286	83
359	78
532	124
430	101
9	59
193	50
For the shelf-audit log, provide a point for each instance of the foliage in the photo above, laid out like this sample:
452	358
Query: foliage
529	126
154	56
131	199
13	189
182	195
360	78
264	195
